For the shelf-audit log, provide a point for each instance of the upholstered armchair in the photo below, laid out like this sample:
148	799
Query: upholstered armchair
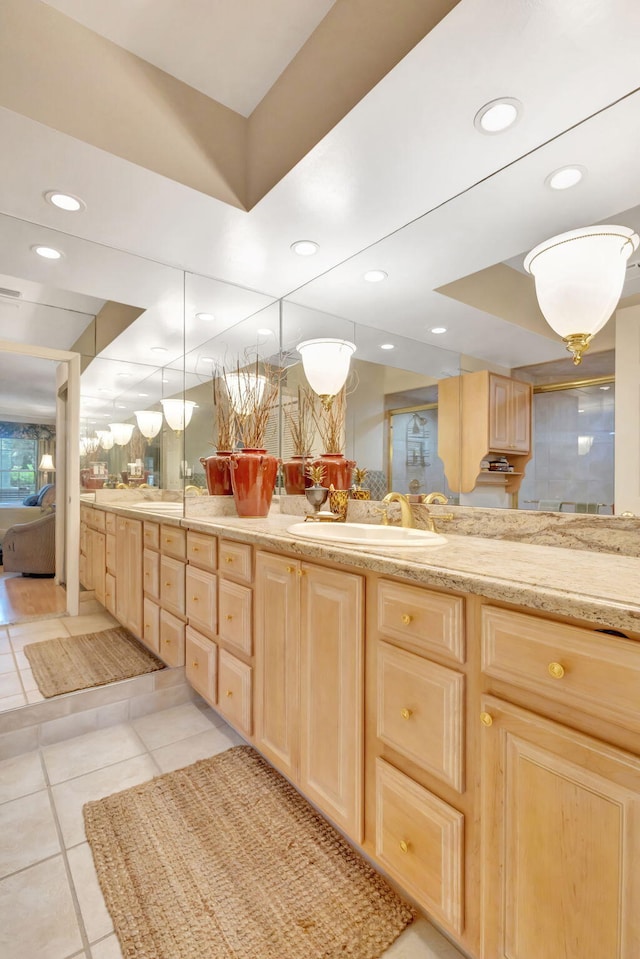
30	548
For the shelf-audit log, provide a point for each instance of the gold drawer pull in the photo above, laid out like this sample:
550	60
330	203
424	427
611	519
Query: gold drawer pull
404	845
486	719
168	642
195	549
406	713
168	585
406	618
556	670
229	559
168	539
194	599
147	626
146	573
301	572
290	569
228	617
194	664
229	692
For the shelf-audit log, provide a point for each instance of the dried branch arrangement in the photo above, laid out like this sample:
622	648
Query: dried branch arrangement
300	421
225	419
137	445
331	423
253	391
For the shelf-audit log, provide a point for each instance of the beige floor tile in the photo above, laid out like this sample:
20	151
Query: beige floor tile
5	645
70	796
107	949
7	663
38	916
12	702
20	776
200	746
421	941
28	832
84	754
97	920
24	633
10	684
170	725
21	660
27	680
34	696
77	625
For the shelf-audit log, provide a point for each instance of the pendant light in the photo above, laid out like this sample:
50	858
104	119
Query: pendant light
326	365
246	390
178	413
121	433
149	422
579	278
105	438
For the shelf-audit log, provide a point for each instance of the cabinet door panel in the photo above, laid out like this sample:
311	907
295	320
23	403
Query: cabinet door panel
521	416
277	660
201	664
234	691
331	694
201	601
172	585
561	841
171	639
234	615
499	413
151	625
151	573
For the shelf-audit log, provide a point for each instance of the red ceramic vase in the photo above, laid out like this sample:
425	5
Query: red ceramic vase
338	470
253	478
218	473
296	480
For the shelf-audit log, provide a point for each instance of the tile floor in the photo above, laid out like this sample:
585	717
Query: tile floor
51	906
17	685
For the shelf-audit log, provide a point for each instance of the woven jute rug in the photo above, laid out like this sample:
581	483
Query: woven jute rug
93	659
225	860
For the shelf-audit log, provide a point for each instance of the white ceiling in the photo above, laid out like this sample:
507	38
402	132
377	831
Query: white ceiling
406	164
232	52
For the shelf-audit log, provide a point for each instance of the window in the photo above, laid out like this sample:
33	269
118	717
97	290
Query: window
18	469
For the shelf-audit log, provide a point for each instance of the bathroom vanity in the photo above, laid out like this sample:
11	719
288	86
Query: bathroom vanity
467	714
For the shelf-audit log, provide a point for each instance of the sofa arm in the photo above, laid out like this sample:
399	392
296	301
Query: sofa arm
30	548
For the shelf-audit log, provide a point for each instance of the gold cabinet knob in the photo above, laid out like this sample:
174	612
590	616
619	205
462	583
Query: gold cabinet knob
290	569
146	572
406	713
301	572
228	617
168	539
556	670
195	664
168	642
147	626
229	692
486	719
404	845
194	599
229	559
195	549
406	618
168	585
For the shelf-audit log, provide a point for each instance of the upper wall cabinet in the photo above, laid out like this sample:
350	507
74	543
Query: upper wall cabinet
483	415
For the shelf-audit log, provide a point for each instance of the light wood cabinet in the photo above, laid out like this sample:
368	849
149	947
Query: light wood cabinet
560	841
129	574
171	639
202	550
151	625
151	573
172	585
235	626
235	691
201	664
323	632
110	593
201	599
481	415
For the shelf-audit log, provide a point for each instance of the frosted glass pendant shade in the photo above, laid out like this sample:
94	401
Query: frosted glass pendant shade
326	365
121	433
579	278
178	413
149	422
105	438
246	390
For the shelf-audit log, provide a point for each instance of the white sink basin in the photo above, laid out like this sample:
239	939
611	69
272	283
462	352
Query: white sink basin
365	534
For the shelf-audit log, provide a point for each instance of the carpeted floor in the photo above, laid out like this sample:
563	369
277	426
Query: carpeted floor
93	659
225	860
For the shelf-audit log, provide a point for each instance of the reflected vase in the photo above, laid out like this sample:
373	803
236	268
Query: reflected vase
218	473
337	468
253	479
296	480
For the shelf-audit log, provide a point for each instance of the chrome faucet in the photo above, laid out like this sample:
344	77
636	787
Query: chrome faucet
406	515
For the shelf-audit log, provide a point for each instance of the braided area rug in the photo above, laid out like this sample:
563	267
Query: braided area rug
93	659
225	860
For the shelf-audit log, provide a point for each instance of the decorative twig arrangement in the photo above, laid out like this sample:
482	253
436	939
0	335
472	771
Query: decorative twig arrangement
331	423
254	389
224	414
300	422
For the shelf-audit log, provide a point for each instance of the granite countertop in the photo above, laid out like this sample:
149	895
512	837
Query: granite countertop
601	588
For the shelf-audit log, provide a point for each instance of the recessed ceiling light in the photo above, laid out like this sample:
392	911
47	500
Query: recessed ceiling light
159	349
438	329
125	376
605	387
263	331
143	394
65	201
205	316
165	379
119	406
305	247
387	346
580	411
104	391
497	115
47	252
565	177
208	359
375	276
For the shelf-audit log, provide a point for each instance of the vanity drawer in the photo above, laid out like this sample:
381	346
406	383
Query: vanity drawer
151	625
151	573
171	639
96	520
419	840
201	605
173	541
234	691
110	522
201	664
598	674
202	549
151	535
110	593
234	615
420	711
172	585
235	560
110	551
426	621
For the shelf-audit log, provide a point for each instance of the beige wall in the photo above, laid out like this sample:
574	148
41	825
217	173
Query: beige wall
627	439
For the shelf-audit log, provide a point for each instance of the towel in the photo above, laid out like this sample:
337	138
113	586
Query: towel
550	505
586	507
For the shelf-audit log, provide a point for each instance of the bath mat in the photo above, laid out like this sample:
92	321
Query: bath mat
93	659
225	860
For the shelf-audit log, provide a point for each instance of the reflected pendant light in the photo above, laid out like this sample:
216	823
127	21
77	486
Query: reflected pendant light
579	278
245	390
178	413
149	422
106	439
326	365
121	433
